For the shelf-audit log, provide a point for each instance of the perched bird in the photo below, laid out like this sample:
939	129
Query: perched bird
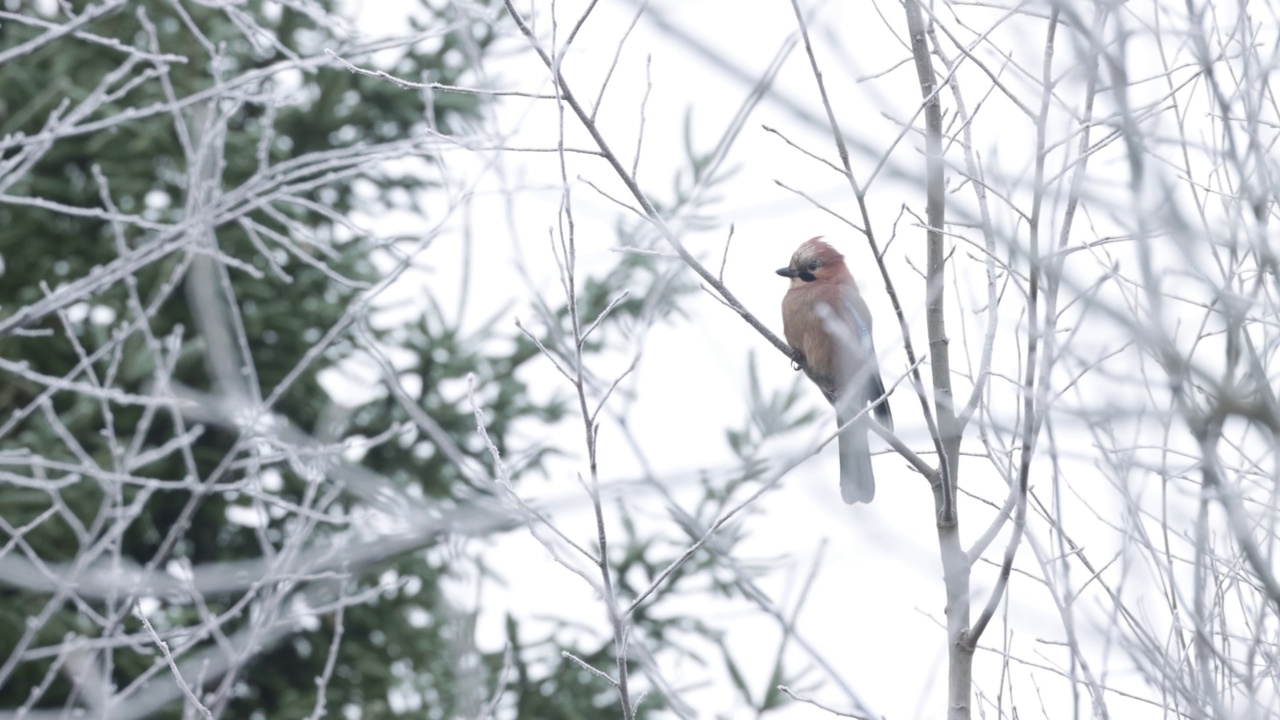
828	326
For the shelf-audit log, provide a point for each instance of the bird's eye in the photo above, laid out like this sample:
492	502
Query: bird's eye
814	265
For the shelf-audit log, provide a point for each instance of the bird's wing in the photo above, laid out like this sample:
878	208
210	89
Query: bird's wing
869	364
860	325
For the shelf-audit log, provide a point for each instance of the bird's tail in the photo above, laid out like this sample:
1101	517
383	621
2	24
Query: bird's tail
857	483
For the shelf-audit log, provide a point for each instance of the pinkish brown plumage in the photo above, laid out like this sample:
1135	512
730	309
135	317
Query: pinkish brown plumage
828	326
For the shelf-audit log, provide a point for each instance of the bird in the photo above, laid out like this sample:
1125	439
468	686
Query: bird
828	326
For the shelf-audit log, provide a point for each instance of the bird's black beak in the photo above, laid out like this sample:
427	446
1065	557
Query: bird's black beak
787	272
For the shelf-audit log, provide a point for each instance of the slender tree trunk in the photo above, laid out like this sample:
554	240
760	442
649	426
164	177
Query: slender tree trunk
955	577
955	562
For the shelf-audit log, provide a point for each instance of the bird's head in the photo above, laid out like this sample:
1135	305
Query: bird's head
814	261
